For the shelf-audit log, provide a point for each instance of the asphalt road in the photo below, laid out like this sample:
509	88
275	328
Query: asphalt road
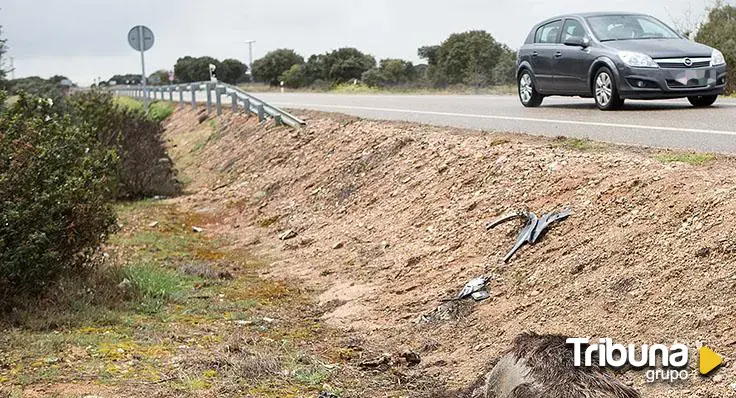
665	124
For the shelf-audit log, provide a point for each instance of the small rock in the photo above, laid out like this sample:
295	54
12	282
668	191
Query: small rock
290	234
718	378
241	322
153	224
197	229
577	268
268	320
384	245
703	252
325	394
411	357
534	293
338	245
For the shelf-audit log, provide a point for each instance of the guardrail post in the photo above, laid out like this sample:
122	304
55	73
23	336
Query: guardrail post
246	105
261	113
208	87
171	94
279	120
181	96
218	99
234	97
194	88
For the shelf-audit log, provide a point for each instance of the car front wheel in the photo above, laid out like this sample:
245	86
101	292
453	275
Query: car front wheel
605	91
528	95
702	101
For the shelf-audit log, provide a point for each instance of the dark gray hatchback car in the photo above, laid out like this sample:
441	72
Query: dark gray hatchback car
614	56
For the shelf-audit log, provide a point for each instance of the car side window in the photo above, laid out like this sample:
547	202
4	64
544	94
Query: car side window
548	33
572	28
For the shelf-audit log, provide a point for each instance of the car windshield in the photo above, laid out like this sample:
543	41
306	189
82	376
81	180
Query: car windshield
629	27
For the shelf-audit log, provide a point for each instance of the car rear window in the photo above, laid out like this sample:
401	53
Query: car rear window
548	33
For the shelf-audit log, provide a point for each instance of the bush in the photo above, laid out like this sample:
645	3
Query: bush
145	168
56	184
160	111
720	32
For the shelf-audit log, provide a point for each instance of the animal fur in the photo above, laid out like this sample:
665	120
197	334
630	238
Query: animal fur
541	366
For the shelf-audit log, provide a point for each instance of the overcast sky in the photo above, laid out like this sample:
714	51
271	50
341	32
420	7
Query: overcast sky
85	39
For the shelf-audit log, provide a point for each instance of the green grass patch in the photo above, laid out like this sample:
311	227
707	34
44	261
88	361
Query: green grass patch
578	144
157	110
695	159
154	286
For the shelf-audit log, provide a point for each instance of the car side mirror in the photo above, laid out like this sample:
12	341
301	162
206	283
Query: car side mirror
577	41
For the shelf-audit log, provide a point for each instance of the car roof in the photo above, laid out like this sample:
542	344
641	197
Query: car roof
593	14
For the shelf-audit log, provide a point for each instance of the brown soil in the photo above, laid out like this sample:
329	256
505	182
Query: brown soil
390	220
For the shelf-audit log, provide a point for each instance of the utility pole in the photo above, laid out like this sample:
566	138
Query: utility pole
250	57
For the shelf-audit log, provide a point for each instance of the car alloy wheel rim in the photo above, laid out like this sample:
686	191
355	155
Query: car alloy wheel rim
603	89
525	88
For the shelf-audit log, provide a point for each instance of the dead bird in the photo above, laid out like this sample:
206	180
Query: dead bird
542	366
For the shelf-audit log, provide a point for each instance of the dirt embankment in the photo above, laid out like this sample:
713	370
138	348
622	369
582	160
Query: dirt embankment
389	219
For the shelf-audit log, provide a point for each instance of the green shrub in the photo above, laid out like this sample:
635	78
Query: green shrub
56	184
145	168
160	111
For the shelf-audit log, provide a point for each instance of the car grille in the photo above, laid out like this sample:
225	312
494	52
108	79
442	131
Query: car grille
690	84
676	63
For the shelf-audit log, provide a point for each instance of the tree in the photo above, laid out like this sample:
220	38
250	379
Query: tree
294	77
159	77
314	69
391	72
345	64
36	86
719	31
233	71
3	50
504	73
128	78
465	58
190	69
274	64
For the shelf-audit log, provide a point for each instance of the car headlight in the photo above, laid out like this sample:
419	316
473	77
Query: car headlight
638	60
717	58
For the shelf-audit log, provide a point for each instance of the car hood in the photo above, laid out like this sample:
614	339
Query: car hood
662	48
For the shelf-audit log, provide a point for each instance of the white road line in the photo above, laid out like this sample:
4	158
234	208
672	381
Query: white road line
511	118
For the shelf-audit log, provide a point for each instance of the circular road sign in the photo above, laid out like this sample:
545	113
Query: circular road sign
134	38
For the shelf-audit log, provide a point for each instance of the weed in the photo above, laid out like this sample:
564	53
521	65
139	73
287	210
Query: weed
695	159
154	286
578	144
265	223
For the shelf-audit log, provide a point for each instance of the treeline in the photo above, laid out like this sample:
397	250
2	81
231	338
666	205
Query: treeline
187	70
471	58
54	87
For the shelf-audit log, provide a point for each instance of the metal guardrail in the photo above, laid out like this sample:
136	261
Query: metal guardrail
214	92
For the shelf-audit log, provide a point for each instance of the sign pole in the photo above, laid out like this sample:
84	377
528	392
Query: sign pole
143	69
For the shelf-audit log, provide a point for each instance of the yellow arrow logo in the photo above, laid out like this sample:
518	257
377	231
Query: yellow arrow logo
709	360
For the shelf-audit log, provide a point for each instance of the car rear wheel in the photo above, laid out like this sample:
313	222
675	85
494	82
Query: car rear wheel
605	91
528	95
702	101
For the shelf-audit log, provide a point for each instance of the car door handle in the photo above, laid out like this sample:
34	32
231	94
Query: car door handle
534	54
558	54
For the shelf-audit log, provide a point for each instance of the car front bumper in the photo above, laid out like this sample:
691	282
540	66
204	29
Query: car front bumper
660	83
